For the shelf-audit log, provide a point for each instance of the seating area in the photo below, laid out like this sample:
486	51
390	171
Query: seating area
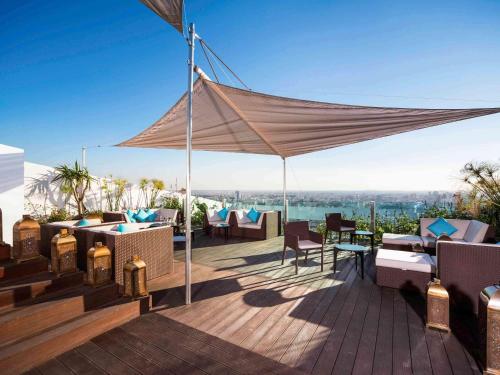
263	225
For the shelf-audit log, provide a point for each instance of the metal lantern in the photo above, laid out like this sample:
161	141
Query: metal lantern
489	322
134	278
98	265
438	306
63	252
26	238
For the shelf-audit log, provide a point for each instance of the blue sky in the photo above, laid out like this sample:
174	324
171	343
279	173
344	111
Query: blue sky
97	72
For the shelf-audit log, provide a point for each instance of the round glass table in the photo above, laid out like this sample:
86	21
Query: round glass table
358	250
363	233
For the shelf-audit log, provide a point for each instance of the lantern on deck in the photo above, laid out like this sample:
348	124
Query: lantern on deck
98	265
63	252
438	306
134	278
26	238
489	328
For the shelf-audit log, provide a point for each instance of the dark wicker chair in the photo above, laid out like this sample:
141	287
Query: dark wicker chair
465	269
299	238
335	223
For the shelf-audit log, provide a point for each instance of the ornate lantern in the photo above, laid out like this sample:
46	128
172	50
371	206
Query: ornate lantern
489	323
134	278
63	252
26	238
438	306
98	265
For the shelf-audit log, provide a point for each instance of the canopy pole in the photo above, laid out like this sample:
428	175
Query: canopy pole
189	134
285	203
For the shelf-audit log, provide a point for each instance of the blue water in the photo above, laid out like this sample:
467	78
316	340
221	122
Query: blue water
347	209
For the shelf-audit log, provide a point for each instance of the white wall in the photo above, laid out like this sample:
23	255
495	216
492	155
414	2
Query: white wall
11	188
41	195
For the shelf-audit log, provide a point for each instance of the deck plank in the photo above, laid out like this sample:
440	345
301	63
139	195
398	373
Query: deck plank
252	315
382	361
420	359
79	364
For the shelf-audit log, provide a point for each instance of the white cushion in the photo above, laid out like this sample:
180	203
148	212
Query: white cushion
401	239
405	260
166	213
460	225
307	244
347	229
214	218
250	226
476	231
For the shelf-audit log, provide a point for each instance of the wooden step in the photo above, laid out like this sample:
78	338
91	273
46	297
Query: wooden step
42	314
37	349
16	292
10	270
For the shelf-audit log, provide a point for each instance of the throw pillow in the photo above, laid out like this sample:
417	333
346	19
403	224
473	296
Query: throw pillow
253	215
151	215
441	226
82	223
223	214
122	228
141	216
130	215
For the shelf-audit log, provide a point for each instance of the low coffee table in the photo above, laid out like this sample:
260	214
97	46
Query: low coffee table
224	227
356	249
364	233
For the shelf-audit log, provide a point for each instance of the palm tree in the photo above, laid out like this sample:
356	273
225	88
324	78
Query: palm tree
156	187
143	186
76	180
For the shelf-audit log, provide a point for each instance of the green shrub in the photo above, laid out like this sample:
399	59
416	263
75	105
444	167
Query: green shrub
58	214
171	202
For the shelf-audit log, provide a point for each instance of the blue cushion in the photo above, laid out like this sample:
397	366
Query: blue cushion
151	215
82	223
223	213
141	216
131	217
253	215
441	226
122	228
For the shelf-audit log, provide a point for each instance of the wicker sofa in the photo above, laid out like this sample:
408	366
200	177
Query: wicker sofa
49	230
161	213
153	245
465	269
268	225
468	231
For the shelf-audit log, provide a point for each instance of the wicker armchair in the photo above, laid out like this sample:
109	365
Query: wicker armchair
299	238
335	223
465	269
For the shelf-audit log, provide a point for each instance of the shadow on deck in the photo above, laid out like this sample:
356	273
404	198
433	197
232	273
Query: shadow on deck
250	314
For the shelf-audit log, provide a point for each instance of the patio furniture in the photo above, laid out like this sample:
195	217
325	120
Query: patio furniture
212	217
169	215
335	223
467	231
358	250
465	269
154	245
49	230
225	228
299	238
364	233
268	225
404	269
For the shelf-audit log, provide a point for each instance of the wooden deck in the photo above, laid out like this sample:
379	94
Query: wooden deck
250	314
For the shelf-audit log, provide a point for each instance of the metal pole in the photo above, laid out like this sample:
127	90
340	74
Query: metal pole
285	203
84	156
372	216
189	133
